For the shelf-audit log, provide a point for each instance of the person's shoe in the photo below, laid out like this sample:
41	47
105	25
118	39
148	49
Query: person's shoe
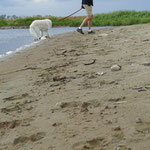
91	32
80	31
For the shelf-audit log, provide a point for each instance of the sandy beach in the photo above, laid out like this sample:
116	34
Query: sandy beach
63	95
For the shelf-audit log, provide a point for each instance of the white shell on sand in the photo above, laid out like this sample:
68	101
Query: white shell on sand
138	120
58	104
100	73
115	68
102	35
118	148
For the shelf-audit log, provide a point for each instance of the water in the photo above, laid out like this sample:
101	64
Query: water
16	39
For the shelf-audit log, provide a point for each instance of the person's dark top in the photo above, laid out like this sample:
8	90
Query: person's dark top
87	2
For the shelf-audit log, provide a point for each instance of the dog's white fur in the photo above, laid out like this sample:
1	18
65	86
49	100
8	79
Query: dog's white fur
39	27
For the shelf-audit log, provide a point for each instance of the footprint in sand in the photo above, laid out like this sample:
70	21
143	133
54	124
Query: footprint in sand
16	97
117	134
9	124
143	127
18	107
33	138
77	104
93	144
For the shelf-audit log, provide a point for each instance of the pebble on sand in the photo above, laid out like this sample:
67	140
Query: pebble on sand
138	120
115	68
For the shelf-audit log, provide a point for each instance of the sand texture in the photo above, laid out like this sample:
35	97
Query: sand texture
63	95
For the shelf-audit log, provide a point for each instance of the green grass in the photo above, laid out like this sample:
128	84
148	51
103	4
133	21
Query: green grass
118	18
3	23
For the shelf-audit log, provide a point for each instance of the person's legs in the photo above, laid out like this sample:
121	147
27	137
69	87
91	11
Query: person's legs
88	19
90	22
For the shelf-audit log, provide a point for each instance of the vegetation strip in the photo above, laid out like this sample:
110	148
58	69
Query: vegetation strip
117	18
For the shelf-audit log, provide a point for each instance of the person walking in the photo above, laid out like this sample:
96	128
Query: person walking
87	5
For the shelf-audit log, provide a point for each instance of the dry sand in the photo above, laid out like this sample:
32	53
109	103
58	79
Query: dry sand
51	100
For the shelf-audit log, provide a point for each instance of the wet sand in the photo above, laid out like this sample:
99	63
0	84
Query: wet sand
53	98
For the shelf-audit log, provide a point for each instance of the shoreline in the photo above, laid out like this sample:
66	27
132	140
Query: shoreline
55	92
30	44
26	27
21	27
13	27
26	47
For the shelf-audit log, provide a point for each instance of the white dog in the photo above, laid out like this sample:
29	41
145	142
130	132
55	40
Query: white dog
39	27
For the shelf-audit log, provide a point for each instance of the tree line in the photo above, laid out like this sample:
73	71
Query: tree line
2	17
9	17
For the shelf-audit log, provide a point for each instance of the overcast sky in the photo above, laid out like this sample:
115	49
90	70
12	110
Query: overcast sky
66	7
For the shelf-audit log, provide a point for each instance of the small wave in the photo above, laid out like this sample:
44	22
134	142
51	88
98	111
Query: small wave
1	56
9	52
23	47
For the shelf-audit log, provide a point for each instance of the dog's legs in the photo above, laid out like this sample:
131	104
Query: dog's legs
33	31
41	34
47	34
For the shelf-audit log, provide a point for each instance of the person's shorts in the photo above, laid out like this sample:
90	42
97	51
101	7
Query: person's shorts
88	10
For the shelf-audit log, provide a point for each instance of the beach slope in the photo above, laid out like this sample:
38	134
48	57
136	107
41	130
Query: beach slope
63	95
